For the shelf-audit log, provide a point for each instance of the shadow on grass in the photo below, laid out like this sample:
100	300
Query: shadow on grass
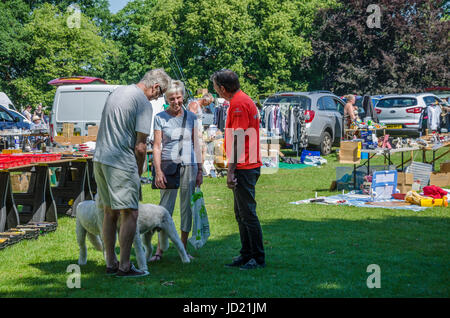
326	258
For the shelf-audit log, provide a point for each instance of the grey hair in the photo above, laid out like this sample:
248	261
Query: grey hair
176	86
156	76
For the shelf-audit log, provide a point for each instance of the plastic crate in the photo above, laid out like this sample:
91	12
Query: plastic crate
5	164
345	177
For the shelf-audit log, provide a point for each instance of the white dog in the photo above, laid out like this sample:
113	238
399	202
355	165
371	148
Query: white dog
151	218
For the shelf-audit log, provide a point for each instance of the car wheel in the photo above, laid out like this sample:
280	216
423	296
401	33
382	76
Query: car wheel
325	144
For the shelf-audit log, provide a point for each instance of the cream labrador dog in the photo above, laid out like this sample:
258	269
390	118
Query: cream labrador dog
152	218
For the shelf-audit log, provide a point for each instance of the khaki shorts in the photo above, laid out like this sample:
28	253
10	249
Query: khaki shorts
118	189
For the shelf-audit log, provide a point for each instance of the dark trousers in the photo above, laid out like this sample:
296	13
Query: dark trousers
245	210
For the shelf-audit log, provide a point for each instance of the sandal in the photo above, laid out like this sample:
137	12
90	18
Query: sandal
155	258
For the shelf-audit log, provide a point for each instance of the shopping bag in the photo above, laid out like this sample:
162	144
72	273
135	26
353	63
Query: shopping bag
200	230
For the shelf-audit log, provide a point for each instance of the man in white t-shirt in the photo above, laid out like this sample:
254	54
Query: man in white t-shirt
119	158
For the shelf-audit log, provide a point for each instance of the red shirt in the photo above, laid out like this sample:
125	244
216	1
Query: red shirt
243	121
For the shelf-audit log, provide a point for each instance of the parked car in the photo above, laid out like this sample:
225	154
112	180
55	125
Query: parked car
83	105
402	113
10	119
324	112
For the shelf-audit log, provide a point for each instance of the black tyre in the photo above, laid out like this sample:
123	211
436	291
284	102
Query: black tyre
326	144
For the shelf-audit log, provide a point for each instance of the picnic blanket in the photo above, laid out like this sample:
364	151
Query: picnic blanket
284	165
362	201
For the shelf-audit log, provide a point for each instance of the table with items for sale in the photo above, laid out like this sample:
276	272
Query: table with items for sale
41	202
434	148
357	153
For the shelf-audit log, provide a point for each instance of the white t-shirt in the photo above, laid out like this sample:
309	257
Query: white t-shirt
127	111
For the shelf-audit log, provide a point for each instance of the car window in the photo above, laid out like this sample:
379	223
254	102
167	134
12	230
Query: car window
305	102
326	103
4	116
430	100
320	104
396	102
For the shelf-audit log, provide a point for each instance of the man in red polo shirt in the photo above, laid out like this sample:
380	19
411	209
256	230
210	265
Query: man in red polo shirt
244	166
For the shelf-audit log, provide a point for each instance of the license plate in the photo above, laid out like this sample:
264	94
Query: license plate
394	126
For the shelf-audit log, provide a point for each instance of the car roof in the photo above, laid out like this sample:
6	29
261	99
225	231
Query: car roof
407	95
307	94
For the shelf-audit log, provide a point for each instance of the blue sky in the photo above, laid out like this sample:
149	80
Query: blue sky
116	5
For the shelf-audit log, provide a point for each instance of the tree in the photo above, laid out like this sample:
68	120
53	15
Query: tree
57	50
264	41
406	54
14	51
132	60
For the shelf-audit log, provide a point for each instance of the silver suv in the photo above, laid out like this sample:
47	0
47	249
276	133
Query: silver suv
402	113
324	112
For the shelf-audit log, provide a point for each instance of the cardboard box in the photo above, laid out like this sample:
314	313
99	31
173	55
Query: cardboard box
68	129
88	138
92	131
274	147
264	147
440	179
76	140
405	181
350	152
273	153
61	140
19	183
445	167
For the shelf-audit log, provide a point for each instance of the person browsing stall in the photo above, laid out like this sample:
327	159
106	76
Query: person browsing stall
27	112
166	148
244	168
350	110
118	163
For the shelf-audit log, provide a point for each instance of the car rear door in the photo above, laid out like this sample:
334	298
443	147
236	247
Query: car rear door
327	114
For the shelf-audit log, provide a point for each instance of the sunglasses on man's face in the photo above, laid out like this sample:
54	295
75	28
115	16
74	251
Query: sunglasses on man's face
160	91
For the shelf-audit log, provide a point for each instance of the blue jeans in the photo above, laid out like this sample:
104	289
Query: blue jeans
245	211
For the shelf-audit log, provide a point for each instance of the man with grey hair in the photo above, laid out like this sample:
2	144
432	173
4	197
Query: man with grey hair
118	163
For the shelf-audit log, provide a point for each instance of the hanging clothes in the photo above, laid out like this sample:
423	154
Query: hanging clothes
368	108
286	121
434	117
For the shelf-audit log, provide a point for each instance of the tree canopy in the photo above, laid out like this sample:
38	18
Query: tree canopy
407	53
273	45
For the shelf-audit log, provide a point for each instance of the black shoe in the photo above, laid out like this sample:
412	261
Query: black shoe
237	262
252	264
132	272
112	270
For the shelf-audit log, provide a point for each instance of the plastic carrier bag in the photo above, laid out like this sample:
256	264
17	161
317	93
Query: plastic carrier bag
200	229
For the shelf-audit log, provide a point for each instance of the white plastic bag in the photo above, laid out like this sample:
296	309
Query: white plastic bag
200	229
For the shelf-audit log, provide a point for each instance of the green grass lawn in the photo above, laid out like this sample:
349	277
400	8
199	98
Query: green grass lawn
312	250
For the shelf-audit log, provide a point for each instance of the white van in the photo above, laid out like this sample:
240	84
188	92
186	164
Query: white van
83	105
